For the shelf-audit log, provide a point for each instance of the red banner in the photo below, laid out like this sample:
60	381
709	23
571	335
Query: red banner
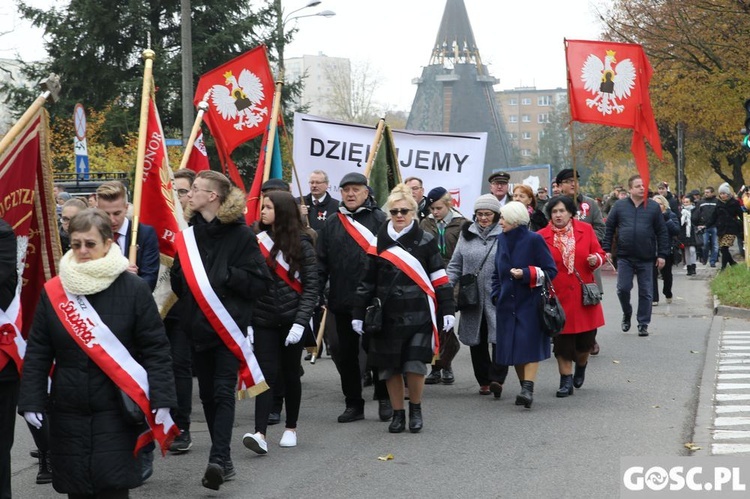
27	204
198	160
240	97
608	84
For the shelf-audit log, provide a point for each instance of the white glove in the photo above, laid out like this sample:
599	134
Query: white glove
34	419
161	415
357	326
295	334
448	322
250	335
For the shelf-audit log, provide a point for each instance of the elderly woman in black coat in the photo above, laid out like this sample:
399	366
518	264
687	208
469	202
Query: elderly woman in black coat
91	439
522	264
406	274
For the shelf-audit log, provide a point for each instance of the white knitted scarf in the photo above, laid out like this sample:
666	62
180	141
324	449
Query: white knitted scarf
90	277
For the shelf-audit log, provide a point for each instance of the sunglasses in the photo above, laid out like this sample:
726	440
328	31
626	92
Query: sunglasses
400	211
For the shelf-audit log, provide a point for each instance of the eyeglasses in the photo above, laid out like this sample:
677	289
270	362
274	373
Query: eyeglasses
65	219
485	214
399	211
568	181
89	244
196	189
182	192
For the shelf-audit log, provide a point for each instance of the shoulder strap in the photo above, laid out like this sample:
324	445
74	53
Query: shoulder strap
485	258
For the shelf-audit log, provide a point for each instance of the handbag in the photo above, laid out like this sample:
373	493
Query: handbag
373	322
592	295
551	313
131	412
468	287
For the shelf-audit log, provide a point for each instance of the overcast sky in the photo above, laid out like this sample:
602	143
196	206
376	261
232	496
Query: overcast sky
520	40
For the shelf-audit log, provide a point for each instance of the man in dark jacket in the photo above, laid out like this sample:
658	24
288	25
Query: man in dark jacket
9	378
663	190
342	260
704	219
320	204
499	187
417	190
238	274
642	242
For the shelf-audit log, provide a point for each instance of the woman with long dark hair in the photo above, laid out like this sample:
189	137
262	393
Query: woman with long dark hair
282	314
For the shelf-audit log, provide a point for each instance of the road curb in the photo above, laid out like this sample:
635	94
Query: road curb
704	414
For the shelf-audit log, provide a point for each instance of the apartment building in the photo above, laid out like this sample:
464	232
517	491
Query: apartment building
326	78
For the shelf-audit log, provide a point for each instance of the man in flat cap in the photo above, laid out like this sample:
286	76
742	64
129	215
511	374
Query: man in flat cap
499	187
342	253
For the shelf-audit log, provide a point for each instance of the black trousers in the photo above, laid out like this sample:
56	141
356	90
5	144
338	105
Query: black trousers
8	404
182	365
104	494
667	277
278	362
217	383
485	369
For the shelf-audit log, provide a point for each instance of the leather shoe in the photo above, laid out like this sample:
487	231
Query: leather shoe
579	376
433	378
415	417
595	349
147	465
642	330
385	410
625	323
448	377
398	424
213	477
484	390
496	389
351	414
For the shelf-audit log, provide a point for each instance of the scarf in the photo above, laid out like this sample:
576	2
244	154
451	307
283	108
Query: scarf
395	235
565	241
685	219
90	277
484	231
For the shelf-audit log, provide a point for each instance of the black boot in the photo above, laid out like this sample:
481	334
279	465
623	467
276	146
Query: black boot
691	269
579	376
399	421
45	469
415	417
566	385
526	397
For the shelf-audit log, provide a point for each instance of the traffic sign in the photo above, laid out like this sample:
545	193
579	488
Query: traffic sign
79	120
82	167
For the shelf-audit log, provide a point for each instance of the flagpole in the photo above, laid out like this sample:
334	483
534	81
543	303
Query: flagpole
202	108
149	56
573	159
51	87
374	148
305	218
272	126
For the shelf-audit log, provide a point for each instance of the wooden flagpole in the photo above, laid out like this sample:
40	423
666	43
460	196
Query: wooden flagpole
149	56
202	108
319	339
375	146
51	91
272	126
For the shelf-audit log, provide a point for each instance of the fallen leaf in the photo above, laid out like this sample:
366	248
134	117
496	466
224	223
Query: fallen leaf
694	351
615	361
388	457
692	446
656	406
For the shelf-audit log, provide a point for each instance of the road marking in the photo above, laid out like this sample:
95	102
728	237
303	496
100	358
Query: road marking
731	419
723	368
733	386
727	377
730	448
725	409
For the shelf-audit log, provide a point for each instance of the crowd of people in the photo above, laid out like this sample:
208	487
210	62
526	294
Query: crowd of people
407	283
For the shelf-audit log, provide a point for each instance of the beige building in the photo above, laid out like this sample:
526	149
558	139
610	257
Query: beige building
10	72
526	111
326	79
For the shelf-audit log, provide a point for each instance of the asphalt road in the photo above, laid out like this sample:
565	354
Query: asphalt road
640	399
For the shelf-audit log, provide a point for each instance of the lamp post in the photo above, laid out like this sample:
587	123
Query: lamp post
282	19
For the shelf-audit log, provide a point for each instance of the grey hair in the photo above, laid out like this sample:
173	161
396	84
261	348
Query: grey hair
319	172
515	213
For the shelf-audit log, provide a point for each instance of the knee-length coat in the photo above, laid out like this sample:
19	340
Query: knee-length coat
519	337
578	318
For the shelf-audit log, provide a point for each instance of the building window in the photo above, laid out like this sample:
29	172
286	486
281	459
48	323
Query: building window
525	153
512	101
542	118
544	100
513	118
526	135
526	118
541	134
526	101
512	135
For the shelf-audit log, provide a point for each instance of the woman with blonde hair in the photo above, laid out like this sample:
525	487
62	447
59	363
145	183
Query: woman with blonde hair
407	276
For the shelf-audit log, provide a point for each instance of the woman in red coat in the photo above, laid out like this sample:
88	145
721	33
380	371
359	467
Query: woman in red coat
577	254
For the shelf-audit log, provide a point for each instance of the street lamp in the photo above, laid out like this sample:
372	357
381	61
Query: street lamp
282	19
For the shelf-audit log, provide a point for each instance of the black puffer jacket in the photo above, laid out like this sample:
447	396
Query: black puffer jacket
91	444
342	259
728	217
281	306
8	281
407	326
641	232
234	265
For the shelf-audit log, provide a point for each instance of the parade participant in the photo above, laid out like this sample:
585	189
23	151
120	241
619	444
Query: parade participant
523	194
555	189
282	314
342	252
672	224
406	273
499	187
541	197
474	254
704	220
320	204
113	199
522	262
10	357
642	242
179	342
687	234
69	208
218	271
577	254
662	188
417	190
728	223
93	321
444	223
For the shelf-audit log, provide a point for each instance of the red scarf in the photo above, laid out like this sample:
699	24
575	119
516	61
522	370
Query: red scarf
565	241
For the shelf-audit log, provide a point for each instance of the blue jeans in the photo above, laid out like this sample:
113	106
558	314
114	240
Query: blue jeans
644	271
711	252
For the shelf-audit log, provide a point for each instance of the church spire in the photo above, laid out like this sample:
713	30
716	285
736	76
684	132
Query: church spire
455	42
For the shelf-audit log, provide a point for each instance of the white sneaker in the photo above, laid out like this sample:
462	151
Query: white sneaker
255	442
289	439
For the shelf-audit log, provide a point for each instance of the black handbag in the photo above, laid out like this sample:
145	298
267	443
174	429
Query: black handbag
131	412
551	313
592	295
373	322
468	287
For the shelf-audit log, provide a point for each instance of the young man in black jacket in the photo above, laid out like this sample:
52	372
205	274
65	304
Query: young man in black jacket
642	243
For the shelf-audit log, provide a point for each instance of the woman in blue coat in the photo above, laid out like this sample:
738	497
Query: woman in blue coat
522	262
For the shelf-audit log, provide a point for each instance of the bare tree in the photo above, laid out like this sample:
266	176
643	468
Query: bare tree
352	94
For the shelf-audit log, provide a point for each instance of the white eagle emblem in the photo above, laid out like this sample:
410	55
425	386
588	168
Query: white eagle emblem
240	100
607	84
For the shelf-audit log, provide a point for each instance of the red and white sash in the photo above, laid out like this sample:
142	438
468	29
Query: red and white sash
98	341
281	268
12	344
361	234
251	380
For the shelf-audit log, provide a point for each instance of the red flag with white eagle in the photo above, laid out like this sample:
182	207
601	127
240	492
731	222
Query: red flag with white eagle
608	85
240	96
198	160
160	205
